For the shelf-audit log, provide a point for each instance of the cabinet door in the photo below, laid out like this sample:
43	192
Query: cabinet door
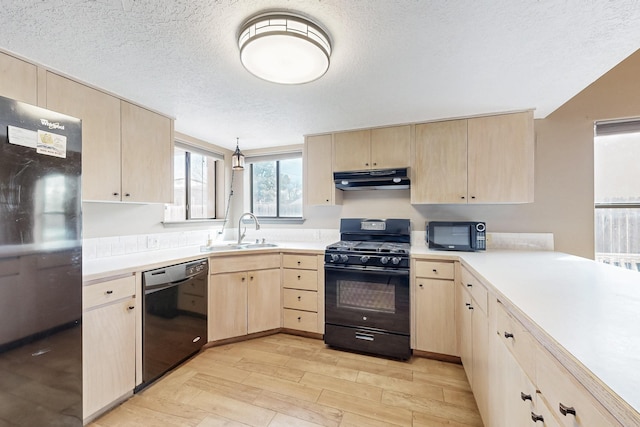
18	79
147	155
435	318
320	189
108	354
264	301
100	114
480	355
463	321
440	163
227	306
352	150
390	147
500	156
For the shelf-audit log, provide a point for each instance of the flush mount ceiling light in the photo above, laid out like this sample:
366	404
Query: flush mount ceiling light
284	48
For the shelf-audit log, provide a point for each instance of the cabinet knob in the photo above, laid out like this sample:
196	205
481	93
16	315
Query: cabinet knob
366	164
564	410
525	397
131	307
250	277
298	277
127	194
470	307
375	164
109	292
421	285
298	262
462	197
535	417
473	197
467	304
242	279
435	271
327	200
508	334
469	285
299	297
116	194
299	318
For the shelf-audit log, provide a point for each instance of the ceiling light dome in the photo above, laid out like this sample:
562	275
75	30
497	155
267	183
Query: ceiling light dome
284	48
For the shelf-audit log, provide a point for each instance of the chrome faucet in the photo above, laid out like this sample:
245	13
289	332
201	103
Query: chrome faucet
242	233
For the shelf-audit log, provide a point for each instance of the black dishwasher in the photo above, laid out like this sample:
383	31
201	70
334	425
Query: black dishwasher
174	321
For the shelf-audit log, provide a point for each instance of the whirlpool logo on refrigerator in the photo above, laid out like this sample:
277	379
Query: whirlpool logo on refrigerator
50	125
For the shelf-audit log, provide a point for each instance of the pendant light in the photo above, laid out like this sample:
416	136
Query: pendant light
237	160
284	48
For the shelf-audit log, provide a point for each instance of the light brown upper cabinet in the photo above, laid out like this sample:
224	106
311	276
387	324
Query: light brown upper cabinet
18	79
500	156
479	160
439	172
318	180
100	114
127	151
379	148
147	155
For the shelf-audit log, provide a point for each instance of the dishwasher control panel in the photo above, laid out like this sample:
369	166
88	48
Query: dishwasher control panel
194	268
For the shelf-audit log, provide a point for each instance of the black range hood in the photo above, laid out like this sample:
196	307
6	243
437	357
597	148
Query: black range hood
381	179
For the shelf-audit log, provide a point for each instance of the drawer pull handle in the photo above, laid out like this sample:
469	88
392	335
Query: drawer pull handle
435	271
109	292
536	417
470	307
508	334
298	262
362	336
525	397
469	285
467	304
564	410
131	307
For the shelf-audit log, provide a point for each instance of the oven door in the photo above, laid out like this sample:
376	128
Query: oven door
369	298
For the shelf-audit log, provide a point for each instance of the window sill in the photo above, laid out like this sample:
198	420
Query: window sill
267	220
192	223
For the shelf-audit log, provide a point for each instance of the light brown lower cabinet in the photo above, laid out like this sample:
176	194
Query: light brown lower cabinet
243	301
302	300
434	305
108	343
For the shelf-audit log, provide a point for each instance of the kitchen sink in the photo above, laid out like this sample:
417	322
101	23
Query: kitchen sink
237	247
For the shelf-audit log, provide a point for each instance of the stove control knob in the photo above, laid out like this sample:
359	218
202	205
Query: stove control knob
334	258
384	259
364	258
395	260
344	258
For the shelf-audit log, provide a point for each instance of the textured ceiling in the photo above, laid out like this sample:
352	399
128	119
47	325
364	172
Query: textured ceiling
393	61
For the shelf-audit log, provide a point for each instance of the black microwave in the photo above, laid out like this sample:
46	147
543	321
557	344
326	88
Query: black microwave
456	235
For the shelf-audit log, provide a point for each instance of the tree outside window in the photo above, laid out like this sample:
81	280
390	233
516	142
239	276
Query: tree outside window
276	188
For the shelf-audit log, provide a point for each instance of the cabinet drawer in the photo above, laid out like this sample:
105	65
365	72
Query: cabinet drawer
434	269
517	339
105	292
192	303
559	388
300	279
301	300
306	262
300	320
477	290
231	263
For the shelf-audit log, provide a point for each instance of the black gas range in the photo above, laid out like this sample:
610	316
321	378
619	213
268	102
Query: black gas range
367	305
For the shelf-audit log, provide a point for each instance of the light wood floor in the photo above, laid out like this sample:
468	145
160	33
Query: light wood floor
286	380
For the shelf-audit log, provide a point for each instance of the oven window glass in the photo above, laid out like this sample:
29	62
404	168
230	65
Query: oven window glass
455	235
371	296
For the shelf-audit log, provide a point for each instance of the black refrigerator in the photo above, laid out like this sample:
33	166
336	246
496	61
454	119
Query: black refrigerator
40	267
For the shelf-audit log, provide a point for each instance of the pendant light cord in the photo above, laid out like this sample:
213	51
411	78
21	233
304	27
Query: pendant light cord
226	214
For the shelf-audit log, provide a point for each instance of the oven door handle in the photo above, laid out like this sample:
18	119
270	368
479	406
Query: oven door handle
373	270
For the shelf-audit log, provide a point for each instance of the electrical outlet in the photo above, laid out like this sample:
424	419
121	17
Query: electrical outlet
152	242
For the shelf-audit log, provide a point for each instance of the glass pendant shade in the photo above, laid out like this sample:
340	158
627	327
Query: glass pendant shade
237	160
284	48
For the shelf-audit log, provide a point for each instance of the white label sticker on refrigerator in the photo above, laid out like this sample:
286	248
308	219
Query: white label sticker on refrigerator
52	144
24	137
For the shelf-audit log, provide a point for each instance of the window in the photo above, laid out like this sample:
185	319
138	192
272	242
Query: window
617	193
276	186
194	184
